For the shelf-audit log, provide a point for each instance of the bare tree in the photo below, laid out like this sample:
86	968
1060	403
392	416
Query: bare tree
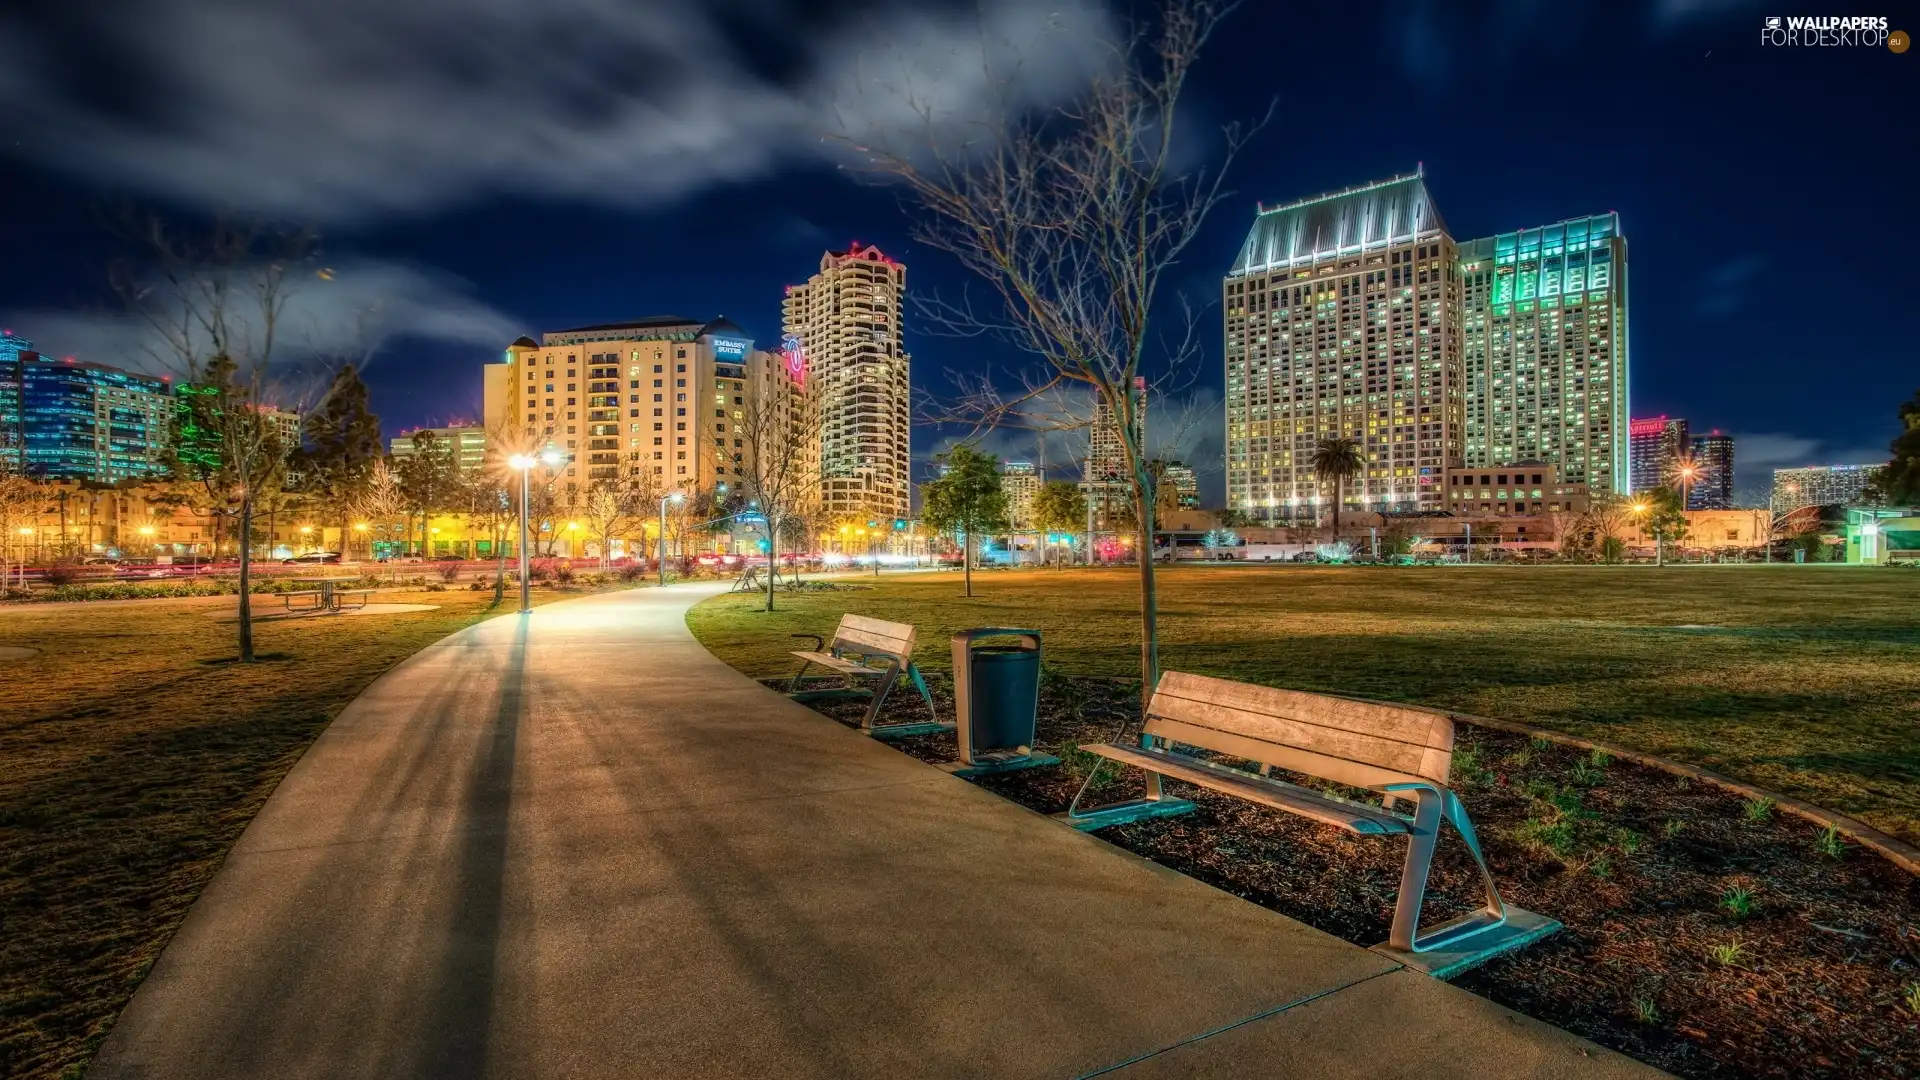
1074	218
608	510
777	474
214	309
383	507
20	502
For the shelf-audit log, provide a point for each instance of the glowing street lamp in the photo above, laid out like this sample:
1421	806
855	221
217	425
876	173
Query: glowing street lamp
524	463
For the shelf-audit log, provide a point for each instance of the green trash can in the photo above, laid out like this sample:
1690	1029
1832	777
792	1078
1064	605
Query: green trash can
996	691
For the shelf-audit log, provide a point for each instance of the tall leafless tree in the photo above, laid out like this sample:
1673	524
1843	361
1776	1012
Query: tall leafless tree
1073	217
778	474
213	306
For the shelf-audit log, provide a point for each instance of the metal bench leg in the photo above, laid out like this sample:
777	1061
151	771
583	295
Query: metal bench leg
920	683
880	695
794	686
1155	803
1473	938
1413	875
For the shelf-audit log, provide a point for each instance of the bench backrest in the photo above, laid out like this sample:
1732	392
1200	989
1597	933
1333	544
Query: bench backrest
1348	742
875	636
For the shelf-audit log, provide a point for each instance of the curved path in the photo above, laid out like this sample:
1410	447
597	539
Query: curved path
575	844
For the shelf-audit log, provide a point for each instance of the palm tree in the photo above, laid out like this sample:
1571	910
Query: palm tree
1336	460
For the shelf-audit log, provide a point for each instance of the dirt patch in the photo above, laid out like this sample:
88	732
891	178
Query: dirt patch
1705	934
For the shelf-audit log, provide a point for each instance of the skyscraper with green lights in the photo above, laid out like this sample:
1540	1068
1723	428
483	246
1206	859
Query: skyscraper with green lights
1544	350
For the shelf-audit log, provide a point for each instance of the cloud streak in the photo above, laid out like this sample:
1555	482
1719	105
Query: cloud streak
356	108
361	306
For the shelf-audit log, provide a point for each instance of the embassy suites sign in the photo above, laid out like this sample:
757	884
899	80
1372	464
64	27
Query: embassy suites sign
1826	31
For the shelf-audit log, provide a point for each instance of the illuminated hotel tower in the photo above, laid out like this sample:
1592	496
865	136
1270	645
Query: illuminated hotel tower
846	318
1342	320
1544	331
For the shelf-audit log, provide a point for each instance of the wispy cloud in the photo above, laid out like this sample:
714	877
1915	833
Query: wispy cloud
358	306
1726	287
358	107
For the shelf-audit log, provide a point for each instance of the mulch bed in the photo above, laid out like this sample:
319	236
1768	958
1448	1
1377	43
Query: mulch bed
1705	934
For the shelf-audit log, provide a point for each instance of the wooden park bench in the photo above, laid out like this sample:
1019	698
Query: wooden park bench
365	595
864	648
1400	753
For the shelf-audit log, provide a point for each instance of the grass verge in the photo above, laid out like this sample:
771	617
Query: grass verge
1803	679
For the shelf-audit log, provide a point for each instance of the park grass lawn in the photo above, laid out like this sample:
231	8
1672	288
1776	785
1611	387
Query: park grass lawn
132	754
1804	679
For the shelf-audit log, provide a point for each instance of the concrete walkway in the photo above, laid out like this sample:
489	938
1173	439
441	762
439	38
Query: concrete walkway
574	844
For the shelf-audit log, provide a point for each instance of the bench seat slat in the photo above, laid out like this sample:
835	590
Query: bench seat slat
1399	723
1325	766
1414	743
881	627
864	639
845	667
1351	816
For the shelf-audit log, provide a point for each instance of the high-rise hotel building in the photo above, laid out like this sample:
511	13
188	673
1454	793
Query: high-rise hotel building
657	394
1354	314
846	322
1342	319
1544	328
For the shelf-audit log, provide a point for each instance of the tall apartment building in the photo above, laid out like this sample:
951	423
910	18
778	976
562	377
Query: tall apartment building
1342	320
1656	444
1186	485
846	321
1106	446
1544	350
1020	481
467	441
1712	484
653	394
1820	485
12	434
69	420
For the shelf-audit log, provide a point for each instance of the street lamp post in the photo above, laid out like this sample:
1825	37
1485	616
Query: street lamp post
670	497
524	463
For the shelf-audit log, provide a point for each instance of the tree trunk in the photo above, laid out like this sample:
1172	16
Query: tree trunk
246	579
966	560
1149	597
773	555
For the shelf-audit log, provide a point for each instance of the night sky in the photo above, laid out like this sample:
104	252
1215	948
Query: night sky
495	167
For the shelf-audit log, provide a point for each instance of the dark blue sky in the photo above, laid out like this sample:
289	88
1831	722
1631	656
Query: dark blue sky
1767	194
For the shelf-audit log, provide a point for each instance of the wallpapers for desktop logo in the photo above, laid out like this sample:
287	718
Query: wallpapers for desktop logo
1831	31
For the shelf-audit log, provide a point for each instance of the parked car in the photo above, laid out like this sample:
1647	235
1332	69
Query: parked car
313	558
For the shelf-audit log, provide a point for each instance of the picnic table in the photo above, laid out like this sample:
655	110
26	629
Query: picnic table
323	594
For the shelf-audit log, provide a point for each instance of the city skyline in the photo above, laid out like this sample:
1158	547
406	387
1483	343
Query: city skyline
1716	330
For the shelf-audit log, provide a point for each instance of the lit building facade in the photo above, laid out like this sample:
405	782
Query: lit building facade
658	395
1544	350
467	441
69	420
1522	488
1106	445
1656	443
1342	320
1020	481
1186	485
846	322
1821	485
1712	484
